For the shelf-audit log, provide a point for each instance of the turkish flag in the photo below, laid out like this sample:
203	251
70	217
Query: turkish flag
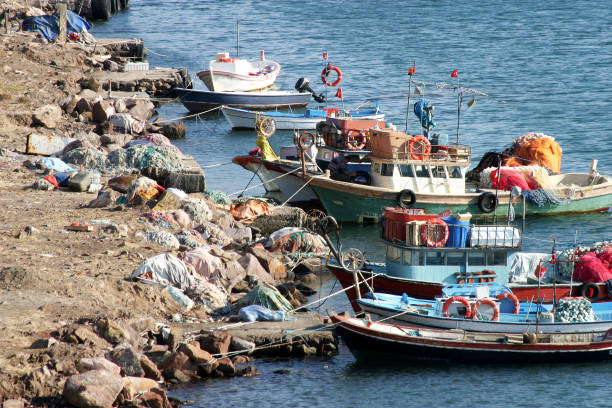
339	93
455	74
324	55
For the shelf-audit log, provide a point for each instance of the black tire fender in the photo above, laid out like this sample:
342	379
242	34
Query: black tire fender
487	202
589	288
406	198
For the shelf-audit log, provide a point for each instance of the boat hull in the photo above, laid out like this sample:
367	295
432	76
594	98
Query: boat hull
392	343
414	319
245	119
350	202
199	101
228	80
254	164
381	282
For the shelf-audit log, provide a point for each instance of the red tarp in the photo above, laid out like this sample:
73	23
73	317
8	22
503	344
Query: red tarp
590	268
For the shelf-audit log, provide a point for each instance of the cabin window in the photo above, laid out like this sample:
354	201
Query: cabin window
393	254
413	257
376	168
421	171
455	259
477	258
386	169
436	258
496	258
406	170
454	172
438	171
327	155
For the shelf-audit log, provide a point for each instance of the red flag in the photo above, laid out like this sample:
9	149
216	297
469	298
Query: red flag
324	55
455	74
339	93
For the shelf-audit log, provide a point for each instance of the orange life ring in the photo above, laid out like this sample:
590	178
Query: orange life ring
451	300
513	298
355	140
419	147
428	239
328	68
485	302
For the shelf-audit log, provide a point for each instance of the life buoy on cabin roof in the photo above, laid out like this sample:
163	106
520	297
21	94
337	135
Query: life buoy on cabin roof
329	68
419	147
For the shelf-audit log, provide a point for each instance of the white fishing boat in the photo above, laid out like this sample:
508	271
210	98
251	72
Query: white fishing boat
226	73
245	119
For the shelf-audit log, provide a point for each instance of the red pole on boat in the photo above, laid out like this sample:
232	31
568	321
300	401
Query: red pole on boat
411	72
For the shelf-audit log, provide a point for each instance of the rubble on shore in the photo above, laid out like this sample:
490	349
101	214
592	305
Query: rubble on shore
121	273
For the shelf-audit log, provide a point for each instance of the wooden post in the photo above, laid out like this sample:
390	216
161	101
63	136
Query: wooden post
6	19
62	7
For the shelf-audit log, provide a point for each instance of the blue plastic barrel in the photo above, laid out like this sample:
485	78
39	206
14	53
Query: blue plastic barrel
439	139
457	232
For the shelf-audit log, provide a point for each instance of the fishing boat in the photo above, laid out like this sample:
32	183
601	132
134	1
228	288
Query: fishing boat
227	73
200	101
426	252
334	137
489	307
410	170
245	119
373	341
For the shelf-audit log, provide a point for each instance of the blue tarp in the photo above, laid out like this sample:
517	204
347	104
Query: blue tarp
253	313
48	25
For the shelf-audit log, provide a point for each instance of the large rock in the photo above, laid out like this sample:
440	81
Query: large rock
254	269
150	369
133	386
175	130
156	399
97	363
175	360
102	111
115	138
47	116
143	110
83	105
280	217
195	353
127	359
217	342
93	389
272	263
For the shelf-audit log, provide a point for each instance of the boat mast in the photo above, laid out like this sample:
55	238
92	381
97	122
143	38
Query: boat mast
411	72
238	38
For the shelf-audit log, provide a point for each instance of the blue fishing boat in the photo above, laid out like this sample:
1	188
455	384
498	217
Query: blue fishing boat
200	101
489	307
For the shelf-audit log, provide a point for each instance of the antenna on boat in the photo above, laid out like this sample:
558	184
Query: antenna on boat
411	72
238	37
553	261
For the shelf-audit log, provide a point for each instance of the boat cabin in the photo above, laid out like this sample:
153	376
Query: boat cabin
449	250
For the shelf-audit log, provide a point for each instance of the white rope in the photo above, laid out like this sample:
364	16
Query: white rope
188	116
261	184
210	166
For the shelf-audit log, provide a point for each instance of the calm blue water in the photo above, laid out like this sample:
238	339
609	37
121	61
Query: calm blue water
545	66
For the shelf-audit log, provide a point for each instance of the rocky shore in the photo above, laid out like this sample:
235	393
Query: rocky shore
120	273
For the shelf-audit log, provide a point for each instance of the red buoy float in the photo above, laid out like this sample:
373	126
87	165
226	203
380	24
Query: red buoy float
329	68
461	299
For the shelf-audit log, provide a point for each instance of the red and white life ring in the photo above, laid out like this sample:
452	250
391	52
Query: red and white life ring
461	299
419	147
513	298
485	302
428	239
355	140
328	68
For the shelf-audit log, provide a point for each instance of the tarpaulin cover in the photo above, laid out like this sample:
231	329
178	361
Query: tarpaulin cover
523	266
204	262
56	164
536	148
48	25
290	240
268	296
166	269
590	268
249	210
253	313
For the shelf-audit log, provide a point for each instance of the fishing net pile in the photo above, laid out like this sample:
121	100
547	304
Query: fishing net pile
591	263
574	310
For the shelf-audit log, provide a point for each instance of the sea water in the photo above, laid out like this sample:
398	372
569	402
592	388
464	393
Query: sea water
544	67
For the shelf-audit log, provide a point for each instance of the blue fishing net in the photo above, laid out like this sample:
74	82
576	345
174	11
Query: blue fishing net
542	196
